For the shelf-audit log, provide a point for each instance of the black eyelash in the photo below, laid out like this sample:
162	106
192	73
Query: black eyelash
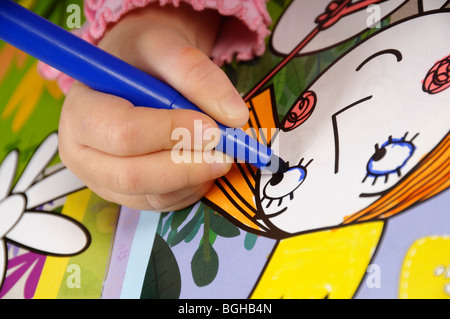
280	201
301	161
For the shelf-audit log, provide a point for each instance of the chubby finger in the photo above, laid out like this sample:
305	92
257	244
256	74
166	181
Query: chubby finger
158	203
113	125
203	83
158	173
167	55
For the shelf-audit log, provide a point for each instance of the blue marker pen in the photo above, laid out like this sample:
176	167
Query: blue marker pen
103	72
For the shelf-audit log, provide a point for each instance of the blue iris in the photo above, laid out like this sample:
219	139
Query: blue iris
390	157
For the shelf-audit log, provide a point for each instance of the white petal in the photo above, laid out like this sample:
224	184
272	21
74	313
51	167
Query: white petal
52	187
41	158
11	209
7	173
3	261
50	233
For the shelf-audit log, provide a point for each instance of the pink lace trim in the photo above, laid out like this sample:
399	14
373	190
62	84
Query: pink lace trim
242	35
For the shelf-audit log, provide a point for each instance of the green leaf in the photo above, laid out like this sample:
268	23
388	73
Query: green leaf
187	229
244	79
160	224
279	83
162	279
310	65
250	241
327	57
179	217
166	226
295	77
212	237
204	265
222	226
172	234
230	71
194	231
345	46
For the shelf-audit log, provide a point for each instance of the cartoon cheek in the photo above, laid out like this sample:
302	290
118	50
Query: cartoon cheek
438	77
300	112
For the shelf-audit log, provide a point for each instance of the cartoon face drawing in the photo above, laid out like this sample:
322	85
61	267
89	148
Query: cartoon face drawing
374	114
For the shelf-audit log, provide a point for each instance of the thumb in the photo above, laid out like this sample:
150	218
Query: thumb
202	82
170	57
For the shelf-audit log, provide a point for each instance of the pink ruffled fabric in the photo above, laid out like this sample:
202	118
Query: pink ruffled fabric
242	34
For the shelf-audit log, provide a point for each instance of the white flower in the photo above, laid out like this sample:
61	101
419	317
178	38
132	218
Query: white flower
22	223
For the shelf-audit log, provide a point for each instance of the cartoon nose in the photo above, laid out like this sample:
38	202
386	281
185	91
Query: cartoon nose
301	110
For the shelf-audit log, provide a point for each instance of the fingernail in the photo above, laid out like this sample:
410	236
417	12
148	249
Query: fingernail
233	106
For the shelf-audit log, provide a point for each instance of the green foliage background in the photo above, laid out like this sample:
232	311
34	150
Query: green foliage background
45	117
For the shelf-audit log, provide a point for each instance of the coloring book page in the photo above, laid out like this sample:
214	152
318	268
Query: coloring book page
355	96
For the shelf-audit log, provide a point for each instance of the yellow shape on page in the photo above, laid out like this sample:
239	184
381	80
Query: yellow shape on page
426	269
323	264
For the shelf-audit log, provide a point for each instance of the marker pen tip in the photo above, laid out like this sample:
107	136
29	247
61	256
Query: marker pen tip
276	165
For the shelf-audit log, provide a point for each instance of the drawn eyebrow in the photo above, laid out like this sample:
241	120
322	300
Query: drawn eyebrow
394	52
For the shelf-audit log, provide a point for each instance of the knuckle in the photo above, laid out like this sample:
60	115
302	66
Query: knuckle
127	180
166	182
123	138
134	44
155	203
164	128
198	70
196	175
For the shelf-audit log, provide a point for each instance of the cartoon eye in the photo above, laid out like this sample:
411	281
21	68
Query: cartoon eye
390	158
284	184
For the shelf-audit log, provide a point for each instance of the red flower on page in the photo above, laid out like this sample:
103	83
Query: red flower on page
300	112
438	78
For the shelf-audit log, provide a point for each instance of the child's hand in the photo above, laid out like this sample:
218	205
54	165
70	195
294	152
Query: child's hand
122	152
